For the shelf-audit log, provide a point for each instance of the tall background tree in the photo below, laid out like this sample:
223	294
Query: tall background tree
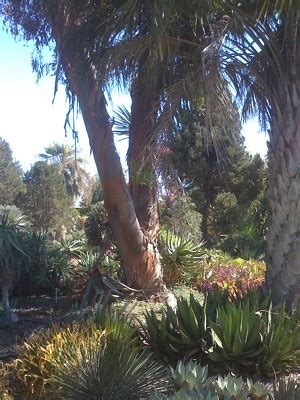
10	175
71	167
253	46
45	200
223	181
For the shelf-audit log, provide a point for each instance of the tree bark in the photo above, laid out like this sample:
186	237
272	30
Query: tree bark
138	252
142	179
5	298
283	242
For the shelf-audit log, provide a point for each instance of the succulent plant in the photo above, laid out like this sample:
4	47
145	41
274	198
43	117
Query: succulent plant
237	337
286	390
190	375
179	256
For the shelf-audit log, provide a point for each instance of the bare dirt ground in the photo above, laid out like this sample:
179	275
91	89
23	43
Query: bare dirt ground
34	313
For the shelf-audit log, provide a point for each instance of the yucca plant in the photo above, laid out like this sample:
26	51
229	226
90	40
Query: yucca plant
106	366
180	256
87	260
73	248
237	337
96	224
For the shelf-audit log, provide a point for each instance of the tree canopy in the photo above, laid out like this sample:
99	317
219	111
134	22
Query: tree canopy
10	175
45	201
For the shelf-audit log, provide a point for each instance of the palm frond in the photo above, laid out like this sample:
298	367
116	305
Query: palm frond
122	121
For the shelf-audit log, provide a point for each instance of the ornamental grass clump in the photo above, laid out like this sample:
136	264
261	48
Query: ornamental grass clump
100	358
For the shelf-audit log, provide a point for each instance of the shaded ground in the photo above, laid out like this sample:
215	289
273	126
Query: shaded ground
34	313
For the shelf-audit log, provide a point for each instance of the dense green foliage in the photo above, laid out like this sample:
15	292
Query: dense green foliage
224	181
96	225
71	167
46	267
45	201
10	175
181	217
241	335
11	250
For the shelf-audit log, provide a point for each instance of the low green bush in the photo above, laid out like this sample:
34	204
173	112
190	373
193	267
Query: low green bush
45	268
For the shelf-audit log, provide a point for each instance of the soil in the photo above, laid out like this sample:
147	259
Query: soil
33	314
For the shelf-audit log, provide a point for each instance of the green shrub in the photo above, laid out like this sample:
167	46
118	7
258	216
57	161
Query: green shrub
180	257
45	268
96	225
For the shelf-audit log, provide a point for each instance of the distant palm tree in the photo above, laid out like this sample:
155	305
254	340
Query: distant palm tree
76	179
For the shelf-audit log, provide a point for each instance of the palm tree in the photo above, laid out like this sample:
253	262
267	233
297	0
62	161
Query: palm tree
76	179
254	49
189	53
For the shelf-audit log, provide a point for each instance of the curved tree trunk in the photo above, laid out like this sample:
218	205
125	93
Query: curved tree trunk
283	245
139	253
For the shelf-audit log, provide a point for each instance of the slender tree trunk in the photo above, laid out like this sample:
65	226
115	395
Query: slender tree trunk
5	298
142	180
204	225
283	247
139	253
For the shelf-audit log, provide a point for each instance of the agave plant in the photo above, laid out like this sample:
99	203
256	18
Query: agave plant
237	337
281	343
232	386
178	333
179	256
190	394
189	376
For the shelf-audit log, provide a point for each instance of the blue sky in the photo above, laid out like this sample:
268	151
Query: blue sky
29	121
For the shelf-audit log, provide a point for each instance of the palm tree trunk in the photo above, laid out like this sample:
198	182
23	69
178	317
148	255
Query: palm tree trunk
283	245
139	254
5	298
